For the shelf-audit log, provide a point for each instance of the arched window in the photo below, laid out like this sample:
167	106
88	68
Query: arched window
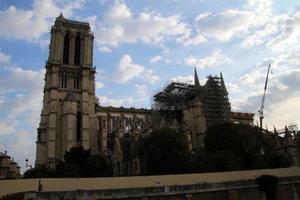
77	51
66	49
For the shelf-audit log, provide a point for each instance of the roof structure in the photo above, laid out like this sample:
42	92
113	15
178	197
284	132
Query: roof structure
172	97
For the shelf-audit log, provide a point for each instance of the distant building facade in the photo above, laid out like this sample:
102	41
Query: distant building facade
9	169
287	142
71	116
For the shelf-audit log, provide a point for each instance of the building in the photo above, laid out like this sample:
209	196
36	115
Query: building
195	108
242	117
68	115
119	131
9	169
287	142
72	117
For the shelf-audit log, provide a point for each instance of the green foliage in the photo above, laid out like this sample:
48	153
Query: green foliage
239	139
268	184
77	155
78	163
69	170
38	172
212	162
231	146
165	151
98	166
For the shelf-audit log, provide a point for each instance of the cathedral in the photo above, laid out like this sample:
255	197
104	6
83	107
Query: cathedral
72	117
68	116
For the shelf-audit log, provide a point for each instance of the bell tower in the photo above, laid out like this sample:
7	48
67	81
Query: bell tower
68	115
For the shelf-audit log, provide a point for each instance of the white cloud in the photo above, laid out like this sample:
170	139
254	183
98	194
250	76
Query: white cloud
118	13
155	59
92	20
33	23
120	26
139	95
196	40
148	75
183	79
286	33
283	113
5	58
280	64
225	25
21	79
99	85
106	101
128	70
251	22
216	58
104	49
281	95
5	128
277	32
282	92
21	101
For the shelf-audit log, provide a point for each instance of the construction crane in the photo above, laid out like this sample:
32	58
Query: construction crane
261	109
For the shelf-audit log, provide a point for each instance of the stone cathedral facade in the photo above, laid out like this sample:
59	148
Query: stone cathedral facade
68	115
71	116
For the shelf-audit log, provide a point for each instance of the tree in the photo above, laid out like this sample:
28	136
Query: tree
70	170
98	166
79	163
211	162
39	172
245	144
77	155
165	151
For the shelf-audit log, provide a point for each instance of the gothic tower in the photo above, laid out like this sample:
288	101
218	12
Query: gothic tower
68	116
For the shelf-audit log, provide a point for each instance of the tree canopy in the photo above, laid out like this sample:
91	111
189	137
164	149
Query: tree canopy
165	151
78	163
244	145
228	147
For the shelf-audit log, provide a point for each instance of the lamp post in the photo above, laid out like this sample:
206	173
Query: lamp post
37	174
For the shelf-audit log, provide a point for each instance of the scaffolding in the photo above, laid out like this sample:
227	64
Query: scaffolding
215	100
173	97
172	100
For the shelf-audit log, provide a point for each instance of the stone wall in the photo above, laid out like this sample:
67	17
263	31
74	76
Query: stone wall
225	185
288	189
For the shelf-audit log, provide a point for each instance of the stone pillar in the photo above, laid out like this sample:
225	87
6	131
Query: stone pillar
87	47
102	131
72	49
69	125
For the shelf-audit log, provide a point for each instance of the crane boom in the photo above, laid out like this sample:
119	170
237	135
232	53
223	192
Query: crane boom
262	105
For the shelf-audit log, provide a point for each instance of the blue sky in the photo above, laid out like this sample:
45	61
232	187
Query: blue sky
140	46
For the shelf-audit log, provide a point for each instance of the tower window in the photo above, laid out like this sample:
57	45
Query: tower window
66	49
76	82
64	80
77	51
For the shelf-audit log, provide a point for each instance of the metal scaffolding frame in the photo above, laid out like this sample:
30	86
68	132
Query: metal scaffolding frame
216	106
